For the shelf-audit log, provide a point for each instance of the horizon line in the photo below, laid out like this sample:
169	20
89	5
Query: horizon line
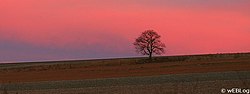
110	58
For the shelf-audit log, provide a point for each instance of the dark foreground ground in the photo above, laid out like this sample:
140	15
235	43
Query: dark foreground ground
197	74
195	83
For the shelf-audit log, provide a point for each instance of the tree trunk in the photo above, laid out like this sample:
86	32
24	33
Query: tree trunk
150	57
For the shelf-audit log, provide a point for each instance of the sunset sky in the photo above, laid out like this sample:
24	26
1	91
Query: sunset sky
38	30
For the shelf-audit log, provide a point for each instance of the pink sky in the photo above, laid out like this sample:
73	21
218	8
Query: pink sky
34	30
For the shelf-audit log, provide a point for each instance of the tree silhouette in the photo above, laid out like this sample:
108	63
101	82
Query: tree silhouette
149	43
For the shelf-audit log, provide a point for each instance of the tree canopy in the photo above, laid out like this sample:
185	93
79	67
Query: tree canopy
149	43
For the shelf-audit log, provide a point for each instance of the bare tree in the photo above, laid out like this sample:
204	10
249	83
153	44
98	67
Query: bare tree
149	43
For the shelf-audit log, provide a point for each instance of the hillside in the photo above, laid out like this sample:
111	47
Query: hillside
124	67
191	74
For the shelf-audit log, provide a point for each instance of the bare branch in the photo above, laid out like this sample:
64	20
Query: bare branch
149	43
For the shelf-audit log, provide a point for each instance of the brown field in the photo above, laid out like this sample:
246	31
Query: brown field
204	87
92	69
196	74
